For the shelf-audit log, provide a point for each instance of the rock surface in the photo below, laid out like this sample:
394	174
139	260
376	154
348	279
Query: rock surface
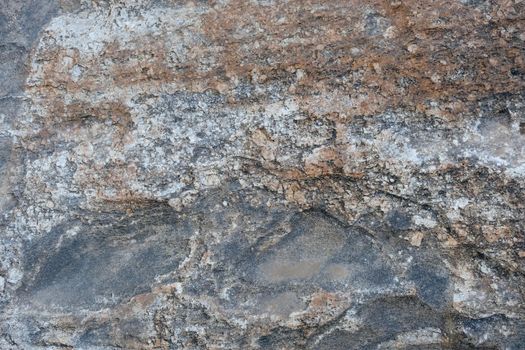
261	174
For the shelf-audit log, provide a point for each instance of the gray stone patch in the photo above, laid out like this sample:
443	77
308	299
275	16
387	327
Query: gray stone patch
399	220
12	75
97	264
375	24
382	320
432	283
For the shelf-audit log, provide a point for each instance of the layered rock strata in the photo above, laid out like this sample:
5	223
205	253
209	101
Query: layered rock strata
258	174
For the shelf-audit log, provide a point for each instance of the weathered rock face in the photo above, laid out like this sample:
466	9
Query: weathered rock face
259	174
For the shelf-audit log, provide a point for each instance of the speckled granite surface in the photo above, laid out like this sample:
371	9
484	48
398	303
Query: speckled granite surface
262	174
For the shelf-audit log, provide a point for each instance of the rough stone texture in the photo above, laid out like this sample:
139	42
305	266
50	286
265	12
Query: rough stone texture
260	174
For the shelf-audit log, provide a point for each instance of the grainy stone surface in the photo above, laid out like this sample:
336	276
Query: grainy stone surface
260	174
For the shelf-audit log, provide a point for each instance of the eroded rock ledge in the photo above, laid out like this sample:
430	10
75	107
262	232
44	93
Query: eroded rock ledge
262	174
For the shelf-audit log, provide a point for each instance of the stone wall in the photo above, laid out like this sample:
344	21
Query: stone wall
262	174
